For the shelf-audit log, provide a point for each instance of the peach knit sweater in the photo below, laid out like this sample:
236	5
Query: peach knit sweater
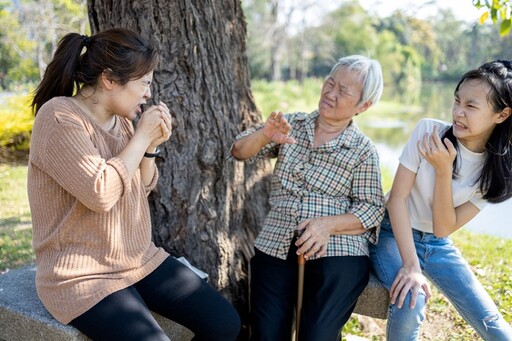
91	223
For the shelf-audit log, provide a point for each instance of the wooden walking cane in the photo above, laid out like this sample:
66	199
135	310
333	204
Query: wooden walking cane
300	288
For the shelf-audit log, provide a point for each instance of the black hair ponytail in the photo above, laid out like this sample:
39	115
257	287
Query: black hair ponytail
58	79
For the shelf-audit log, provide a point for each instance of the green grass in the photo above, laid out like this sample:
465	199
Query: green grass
15	221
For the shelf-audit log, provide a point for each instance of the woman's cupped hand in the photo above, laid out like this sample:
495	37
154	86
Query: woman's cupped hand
155	124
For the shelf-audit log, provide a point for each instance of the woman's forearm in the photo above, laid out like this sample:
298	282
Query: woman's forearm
444	219
132	156
147	168
400	223
250	145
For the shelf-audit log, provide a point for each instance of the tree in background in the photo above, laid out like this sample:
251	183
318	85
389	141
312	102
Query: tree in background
16	64
410	49
30	31
496	10
205	207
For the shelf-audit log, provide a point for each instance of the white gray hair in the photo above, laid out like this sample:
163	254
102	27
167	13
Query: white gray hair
370	73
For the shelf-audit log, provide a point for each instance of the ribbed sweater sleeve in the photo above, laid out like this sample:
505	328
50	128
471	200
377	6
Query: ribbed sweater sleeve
72	158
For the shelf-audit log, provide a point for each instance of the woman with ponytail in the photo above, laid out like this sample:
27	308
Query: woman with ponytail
90	173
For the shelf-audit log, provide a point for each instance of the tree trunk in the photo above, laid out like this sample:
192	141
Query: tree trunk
205	207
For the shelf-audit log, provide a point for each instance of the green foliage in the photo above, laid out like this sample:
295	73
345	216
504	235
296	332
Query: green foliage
410	50
496	10
29	36
16	121
15	47
288	97
354	19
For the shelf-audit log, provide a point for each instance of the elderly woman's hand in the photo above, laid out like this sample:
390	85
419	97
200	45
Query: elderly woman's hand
315	236
276	129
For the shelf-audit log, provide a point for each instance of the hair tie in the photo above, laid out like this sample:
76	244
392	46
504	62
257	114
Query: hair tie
86	41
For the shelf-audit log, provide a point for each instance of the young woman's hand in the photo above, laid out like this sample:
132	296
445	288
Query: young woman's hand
408	280
276	129
440	155
156	125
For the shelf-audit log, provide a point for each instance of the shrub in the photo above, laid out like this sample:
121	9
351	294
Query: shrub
16	121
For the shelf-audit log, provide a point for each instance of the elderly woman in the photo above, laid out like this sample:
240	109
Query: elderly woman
326	184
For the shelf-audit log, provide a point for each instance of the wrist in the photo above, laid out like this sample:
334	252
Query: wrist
263	137
152	152
444	171
411	267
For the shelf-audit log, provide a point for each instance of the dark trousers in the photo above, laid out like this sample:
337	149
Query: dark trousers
331	288
173	291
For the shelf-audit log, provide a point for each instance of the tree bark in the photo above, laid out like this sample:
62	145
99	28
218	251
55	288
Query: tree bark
205	207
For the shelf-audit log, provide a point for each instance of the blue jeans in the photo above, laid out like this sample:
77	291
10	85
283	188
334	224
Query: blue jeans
443	264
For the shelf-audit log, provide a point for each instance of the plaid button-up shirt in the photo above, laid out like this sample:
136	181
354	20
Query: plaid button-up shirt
341	176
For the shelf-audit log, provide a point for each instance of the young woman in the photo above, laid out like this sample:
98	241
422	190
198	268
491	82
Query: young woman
447	174
89	177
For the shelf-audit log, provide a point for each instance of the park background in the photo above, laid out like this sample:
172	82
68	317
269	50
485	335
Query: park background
423	46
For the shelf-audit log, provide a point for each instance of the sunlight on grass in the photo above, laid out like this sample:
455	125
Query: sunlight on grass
13	194
15	221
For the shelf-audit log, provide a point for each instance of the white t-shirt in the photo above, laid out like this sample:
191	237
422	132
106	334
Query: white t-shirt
464	187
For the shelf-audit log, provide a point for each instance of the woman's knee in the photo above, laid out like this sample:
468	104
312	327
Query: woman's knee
225	330
223	323
404	323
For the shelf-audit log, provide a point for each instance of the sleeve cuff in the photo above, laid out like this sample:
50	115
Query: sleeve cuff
121	169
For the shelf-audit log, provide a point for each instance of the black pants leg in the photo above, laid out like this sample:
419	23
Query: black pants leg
331	288
122	315
173	291
273	296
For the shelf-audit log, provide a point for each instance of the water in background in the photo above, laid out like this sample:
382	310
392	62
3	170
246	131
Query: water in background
390	132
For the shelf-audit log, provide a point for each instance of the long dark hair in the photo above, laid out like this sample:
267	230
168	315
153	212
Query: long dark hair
496	177
124	54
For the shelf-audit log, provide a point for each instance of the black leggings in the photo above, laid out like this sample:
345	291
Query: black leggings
173	291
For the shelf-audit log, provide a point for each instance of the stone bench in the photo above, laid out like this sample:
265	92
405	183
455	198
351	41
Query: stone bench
374	300
23	316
